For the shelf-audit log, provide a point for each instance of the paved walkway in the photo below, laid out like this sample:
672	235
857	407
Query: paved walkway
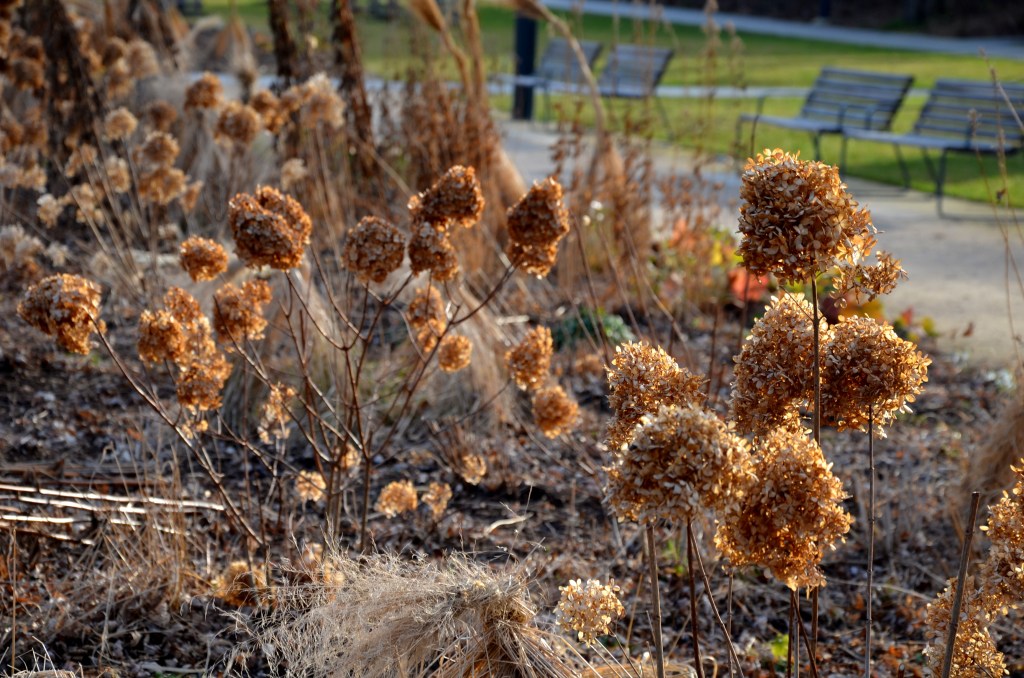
957	262
1009	48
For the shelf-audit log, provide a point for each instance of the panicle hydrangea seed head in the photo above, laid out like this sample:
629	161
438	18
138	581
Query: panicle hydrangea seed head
974	650
589	609
161	337
205	93
202	258
436	498
454	353
274	418
309	485
119	124
554	411
66	307
397	497
238	313
430	249
374	249
530	360
1002	573
270	229
426	317
454	198
535	226
237	124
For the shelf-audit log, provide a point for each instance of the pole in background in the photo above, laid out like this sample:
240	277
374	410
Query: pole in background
526	50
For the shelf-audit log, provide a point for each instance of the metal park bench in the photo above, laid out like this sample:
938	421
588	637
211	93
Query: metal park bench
962	116
840	100
558	67
634	72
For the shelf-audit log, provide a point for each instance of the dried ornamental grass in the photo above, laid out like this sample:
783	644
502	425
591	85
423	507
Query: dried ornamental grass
869	371
66	307
554	411
454	198
790	510
374	249
202	258
1002	572
238	313
454	353
774	373
270	229
529	361
589	609
682	460
640	379
797	219
974	651
535	226
397	497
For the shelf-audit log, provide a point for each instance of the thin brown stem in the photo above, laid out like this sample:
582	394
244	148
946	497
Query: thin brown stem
694	626
958	599
816	420
734	660
871	538
652	561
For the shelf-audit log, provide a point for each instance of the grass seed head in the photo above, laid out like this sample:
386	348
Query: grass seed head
66	307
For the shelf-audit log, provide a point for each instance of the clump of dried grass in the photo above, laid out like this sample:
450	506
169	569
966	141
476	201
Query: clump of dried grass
393	617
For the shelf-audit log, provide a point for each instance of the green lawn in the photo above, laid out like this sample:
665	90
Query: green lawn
760	61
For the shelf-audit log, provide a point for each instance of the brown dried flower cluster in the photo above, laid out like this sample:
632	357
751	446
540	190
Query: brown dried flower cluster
237	124
790	511
238	313
455	198
293	173
589	609
180	333
270	229
436	498
640	379
869	371
206	92
397	497
1002	573
454	353
554	411
373	249
682	460
202	258
119	124
268	106
48	210
159	181
774	373
797	218
241	585
431	250
974	651
119	177
316	101
426	317
161	116
536	224
865	281
66	307
529	361
274	418
309	485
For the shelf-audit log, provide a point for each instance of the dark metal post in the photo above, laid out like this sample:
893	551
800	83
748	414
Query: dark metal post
526	50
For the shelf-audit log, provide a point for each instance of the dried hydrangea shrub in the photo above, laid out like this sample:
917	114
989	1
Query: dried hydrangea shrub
974	651
454	353
274	418
66	307
205	93
589	609
436	498
454	198
682	460
640	379
397	497
797	219
119	124
790	510
202	258
774	372
529	361
373	249
536	224
868	370
237	124
238	313
554	411
270	229
1002	573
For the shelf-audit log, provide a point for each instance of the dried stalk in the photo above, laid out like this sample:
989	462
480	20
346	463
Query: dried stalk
961	583
652	561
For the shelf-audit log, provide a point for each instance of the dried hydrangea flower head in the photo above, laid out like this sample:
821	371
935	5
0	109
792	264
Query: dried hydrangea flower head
66	307
454	353
774	372
397	497
202	258
797	218
119	176
589	609
237	124
309	485
317	102
268	106
238	313
640	379
530	360
270	229
142	59
436	498
159	149
535	226
205	93
162	185
868	369
454	198
293	172
974	651
554	411
1002	573
790	512
426	317
242	585
82	158
867	281
373	249
119	124
161	337
682	461
431	250
161	116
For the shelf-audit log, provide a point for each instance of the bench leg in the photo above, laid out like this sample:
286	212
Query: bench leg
817	146
940	180
929	165
664	118
903	165
842	152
